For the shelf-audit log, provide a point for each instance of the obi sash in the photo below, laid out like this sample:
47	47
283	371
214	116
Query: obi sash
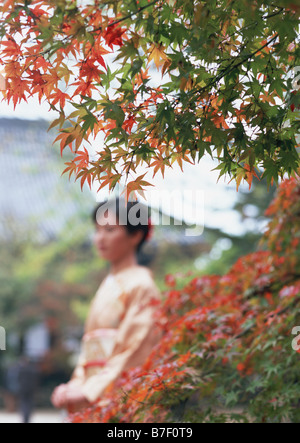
98	346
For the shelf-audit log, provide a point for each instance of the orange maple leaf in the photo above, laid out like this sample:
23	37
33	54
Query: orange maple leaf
82	158
249	175
12	49
59	96
158	55
85	175
7	5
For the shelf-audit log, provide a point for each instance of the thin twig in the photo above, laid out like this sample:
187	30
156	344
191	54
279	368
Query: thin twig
232	68
265	17
116	22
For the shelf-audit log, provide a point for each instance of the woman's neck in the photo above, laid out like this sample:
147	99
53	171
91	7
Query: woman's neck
124	263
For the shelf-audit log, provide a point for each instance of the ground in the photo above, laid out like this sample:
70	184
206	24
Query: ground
38	417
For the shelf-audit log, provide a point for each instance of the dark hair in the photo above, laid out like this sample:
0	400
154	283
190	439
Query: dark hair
133	215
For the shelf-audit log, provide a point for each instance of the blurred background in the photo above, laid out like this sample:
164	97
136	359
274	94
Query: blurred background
49	268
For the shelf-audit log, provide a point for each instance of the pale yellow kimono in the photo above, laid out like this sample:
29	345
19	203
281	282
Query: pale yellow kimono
120	330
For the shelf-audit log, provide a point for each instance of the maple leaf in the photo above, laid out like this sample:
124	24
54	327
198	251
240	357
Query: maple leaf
51	82
109	180
186	84
16	89
250	173
129	123
158	55
72	168
89	70
98	51
82	159
114	35
136	186
11	49
59	96
64	72
85	175
159	165
84	88
141	77
7	5
36	77
179	157
246	173
68	136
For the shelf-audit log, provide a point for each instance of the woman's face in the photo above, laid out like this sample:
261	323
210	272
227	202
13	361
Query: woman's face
113	241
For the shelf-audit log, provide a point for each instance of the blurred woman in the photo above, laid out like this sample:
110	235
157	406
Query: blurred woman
120	331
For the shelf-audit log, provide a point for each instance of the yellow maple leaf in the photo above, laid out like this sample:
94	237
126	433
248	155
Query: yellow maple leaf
158	55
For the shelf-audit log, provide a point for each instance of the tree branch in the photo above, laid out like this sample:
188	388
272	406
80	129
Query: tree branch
232	67
116	22
265	17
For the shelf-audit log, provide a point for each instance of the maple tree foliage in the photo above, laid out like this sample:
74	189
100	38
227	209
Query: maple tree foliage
226	352
163	81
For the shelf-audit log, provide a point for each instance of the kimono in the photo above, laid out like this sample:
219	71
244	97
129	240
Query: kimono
120	331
